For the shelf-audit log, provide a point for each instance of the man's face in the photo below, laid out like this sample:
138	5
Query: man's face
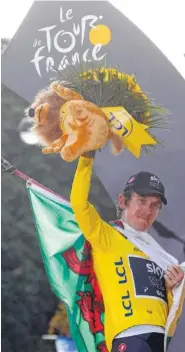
140	211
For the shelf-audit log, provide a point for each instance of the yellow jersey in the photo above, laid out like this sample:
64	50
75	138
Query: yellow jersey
132	286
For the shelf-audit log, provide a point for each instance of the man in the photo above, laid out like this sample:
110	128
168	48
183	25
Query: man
136	292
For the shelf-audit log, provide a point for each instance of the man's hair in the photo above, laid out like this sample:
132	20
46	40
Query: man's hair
128	195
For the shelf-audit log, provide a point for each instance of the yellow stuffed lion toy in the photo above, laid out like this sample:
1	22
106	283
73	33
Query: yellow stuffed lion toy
66	123
78	114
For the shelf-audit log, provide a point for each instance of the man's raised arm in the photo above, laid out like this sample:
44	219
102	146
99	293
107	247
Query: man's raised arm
88	219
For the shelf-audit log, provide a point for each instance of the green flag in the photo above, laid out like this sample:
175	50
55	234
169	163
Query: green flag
68	263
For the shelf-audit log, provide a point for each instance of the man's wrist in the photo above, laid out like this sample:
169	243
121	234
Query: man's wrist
90	154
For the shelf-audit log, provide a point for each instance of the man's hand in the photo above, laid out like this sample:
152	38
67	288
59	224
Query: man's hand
173	276
90	154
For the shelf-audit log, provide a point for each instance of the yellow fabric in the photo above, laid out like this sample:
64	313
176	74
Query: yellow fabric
111	257
174	323
170	299
132	133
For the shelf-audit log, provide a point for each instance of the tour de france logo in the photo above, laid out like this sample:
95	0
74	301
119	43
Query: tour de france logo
56	47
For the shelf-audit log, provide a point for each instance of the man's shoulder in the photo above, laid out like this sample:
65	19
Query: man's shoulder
118	226
117	223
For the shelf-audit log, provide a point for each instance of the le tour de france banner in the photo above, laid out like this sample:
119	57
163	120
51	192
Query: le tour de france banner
56	35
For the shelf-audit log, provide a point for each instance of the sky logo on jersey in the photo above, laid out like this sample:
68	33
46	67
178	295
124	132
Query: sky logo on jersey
151	282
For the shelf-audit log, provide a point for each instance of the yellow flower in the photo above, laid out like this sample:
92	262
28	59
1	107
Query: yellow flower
136	88
130	80
110	73
144	96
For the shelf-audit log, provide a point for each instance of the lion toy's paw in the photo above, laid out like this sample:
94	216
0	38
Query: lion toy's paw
65	93
51	150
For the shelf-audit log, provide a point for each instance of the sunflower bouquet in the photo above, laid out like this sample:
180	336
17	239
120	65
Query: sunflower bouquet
110	88
84	109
